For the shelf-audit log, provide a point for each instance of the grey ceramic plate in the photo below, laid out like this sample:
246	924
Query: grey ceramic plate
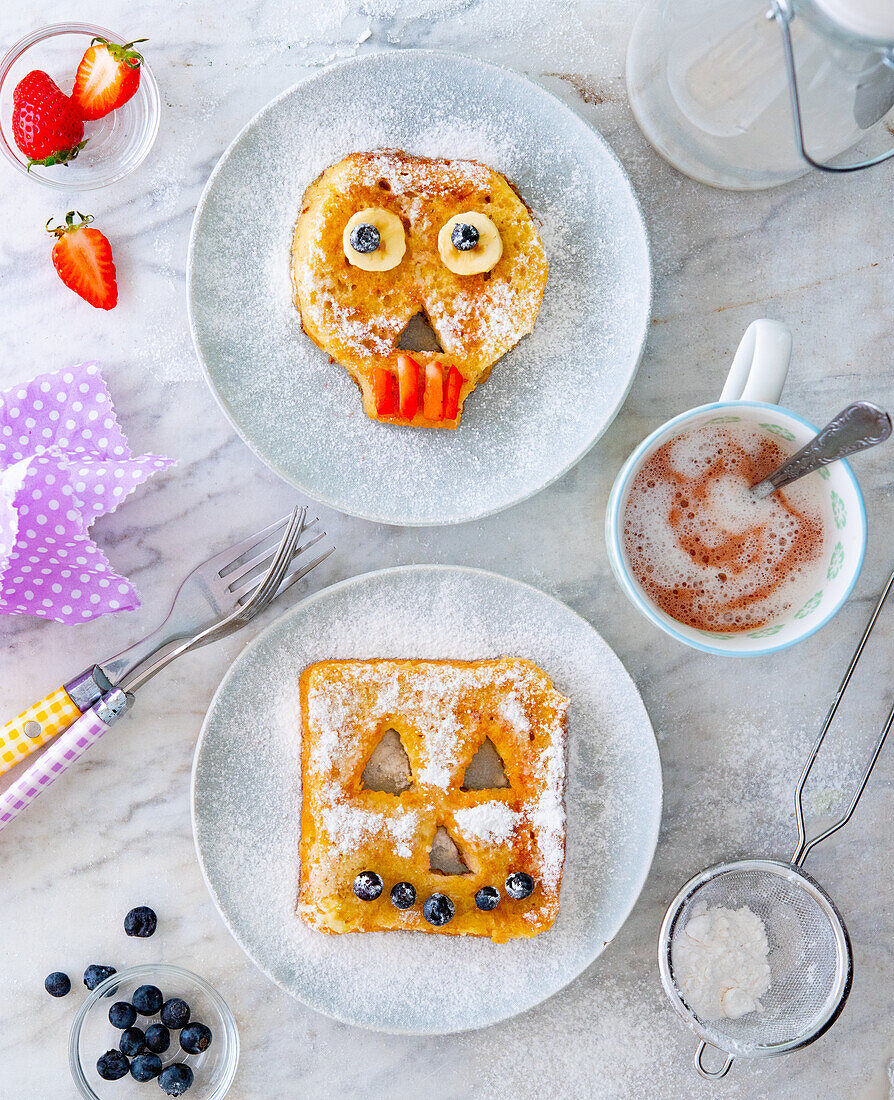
545	403
246	800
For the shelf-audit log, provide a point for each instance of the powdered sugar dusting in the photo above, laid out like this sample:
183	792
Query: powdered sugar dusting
247	800
301	412
491	822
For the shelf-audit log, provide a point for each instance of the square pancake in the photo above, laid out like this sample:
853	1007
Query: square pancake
449	775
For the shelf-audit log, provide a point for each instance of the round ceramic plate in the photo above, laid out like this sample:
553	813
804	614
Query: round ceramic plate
545	403
247	796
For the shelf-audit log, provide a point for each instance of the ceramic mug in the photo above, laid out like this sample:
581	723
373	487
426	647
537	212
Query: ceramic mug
751	393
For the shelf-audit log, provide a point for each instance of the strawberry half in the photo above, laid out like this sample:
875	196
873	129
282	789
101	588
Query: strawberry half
384	392
408	386
107	77
46	125
83	259
451	397
433	397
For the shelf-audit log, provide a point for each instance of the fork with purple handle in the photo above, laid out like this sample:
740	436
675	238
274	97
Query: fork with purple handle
230	587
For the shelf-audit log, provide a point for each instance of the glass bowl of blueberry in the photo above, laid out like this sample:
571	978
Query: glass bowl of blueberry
154	1024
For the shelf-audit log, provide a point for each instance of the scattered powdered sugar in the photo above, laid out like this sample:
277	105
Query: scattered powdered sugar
492	822
351	826
247	800
301	412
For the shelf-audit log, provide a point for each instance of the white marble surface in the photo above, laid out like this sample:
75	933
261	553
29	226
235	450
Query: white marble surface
116	833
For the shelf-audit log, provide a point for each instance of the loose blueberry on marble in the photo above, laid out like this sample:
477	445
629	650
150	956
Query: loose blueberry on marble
175	1013
403	895
195	1038
519	885
57	984
95	973
176	1079
145	1067
365	238
141	922
438	910
122	1015
487	898
158	1038
464	237
148	999
112	1065
132	1042
368	885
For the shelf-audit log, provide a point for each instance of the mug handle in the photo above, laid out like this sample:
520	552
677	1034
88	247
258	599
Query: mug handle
760	363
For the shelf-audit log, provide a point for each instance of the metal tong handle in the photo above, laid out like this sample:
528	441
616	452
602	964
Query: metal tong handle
856	428
805	846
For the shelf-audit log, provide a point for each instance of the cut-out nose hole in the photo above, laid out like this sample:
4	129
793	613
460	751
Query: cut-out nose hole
485	770
388	767
445	857
419	336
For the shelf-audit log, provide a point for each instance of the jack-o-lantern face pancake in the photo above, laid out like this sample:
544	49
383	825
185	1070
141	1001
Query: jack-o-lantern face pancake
385	236
432	797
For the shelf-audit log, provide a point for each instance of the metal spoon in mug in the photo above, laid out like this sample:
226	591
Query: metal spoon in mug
856	428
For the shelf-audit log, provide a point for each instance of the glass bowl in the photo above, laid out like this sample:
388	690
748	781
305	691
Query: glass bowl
116	144
92	1034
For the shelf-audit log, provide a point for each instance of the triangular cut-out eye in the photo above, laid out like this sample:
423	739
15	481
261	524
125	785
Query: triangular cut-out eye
388	767
485	770
419	336
445	857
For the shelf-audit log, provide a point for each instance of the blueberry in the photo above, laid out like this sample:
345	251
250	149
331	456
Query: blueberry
145	1067
147	999
403	895
122	1015
158	1038
175	1013
132	1041
141	922
174	1080
195	1038
112	1066
464	237
487	898
94	974
365	238
57	984
519	885
368	885
438	910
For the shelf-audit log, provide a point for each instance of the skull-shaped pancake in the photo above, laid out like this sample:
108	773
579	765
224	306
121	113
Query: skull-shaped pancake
384	236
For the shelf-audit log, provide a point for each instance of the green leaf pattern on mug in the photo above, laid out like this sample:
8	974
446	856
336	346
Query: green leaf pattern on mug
777	429
811	605
717	637
767	631
724	420
839	512
836	561
823	472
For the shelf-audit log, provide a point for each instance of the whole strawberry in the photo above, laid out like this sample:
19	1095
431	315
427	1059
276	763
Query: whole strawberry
46	124
83	260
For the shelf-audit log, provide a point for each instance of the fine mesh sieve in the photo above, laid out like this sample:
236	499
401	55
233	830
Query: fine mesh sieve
811	963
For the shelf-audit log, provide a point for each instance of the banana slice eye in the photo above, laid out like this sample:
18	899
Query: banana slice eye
374	240
469	243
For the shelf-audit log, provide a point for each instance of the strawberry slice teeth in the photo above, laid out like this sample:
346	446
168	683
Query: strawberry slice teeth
398	395
408	385
433	396
451	397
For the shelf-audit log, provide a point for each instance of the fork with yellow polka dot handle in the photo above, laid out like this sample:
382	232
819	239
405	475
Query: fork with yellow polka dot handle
212	591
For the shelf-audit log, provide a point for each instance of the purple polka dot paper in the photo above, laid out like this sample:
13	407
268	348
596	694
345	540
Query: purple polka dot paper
63	461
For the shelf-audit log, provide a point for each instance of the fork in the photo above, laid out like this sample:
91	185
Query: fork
113	704
211	592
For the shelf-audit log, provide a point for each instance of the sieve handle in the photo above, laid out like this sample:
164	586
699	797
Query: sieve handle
804	845
711	1074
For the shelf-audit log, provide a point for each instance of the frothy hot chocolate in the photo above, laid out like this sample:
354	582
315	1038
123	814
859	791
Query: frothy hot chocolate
703	550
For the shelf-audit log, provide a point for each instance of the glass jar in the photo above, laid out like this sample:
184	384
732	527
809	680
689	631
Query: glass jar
747	94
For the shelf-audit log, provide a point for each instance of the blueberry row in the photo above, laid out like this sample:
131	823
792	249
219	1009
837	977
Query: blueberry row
438	909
